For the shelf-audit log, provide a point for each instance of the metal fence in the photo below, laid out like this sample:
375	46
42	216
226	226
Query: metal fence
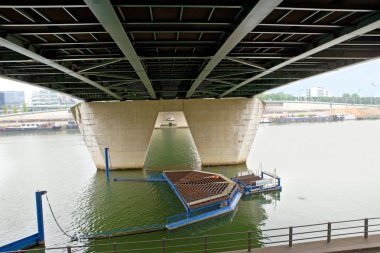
237	240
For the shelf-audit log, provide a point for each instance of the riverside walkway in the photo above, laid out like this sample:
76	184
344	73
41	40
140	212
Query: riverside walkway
350	244
359	235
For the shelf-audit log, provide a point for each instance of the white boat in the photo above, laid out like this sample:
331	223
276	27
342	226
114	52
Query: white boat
23	127
349	117
169	117
265	120
31	127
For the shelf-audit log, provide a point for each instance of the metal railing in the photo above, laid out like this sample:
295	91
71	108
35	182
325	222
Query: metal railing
237	240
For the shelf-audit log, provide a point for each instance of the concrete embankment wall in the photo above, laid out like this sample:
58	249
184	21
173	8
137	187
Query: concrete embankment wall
223	129
54	116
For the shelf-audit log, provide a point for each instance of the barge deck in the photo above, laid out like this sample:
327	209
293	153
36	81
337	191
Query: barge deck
204	195
250	183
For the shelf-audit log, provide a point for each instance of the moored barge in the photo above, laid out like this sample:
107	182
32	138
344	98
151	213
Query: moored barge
204	195
251	183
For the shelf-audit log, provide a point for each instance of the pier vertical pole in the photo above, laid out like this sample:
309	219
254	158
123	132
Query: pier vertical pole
163	245
329	232
206	244
290	236
107	166
249	241
366	228
40	217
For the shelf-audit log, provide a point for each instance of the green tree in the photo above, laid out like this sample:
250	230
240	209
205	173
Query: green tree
279	96
5	109
15	109
346	98
24	109
355	98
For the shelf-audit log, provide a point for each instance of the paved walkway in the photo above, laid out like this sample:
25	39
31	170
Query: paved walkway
351	244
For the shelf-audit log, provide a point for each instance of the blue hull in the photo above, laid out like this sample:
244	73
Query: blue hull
206	216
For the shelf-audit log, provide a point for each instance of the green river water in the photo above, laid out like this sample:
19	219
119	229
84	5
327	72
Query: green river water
330	171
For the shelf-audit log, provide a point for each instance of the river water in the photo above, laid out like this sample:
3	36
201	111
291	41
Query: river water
330	171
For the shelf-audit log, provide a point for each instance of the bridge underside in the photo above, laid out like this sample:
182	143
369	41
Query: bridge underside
117	50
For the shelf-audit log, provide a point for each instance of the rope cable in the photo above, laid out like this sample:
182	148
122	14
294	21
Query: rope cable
73	237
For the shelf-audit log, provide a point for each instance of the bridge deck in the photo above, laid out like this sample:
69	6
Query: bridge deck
351	244
113	50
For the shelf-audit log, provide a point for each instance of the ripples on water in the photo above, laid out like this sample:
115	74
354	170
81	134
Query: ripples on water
329	172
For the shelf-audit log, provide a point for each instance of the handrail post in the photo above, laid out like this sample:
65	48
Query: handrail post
163	245
205	240
366	228
68	249
249	241
329	232
290	236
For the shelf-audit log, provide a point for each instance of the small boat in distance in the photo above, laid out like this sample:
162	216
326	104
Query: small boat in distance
349	117
169	121
265	120
35	126
23	127
71	124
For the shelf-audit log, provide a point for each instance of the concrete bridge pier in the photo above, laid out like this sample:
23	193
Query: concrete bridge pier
223	129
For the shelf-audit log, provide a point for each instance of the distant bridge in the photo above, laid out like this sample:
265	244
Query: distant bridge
111	50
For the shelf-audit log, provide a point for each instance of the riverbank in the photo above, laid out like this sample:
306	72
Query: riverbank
285	112
34	121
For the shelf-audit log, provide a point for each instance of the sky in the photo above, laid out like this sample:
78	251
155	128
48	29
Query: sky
362	78
10	85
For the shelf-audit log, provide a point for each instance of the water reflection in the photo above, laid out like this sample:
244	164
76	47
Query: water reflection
131	204
172	149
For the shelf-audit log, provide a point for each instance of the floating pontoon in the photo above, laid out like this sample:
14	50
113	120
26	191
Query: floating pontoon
251	183
204	195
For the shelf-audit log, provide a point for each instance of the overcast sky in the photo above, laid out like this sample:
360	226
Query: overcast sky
10	85
362	78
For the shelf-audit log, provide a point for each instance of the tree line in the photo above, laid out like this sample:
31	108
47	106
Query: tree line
14	108
348	98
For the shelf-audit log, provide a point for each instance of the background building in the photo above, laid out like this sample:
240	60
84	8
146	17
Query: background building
317	92
11	98
49	100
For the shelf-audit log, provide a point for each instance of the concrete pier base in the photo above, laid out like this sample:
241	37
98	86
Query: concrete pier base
223	129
